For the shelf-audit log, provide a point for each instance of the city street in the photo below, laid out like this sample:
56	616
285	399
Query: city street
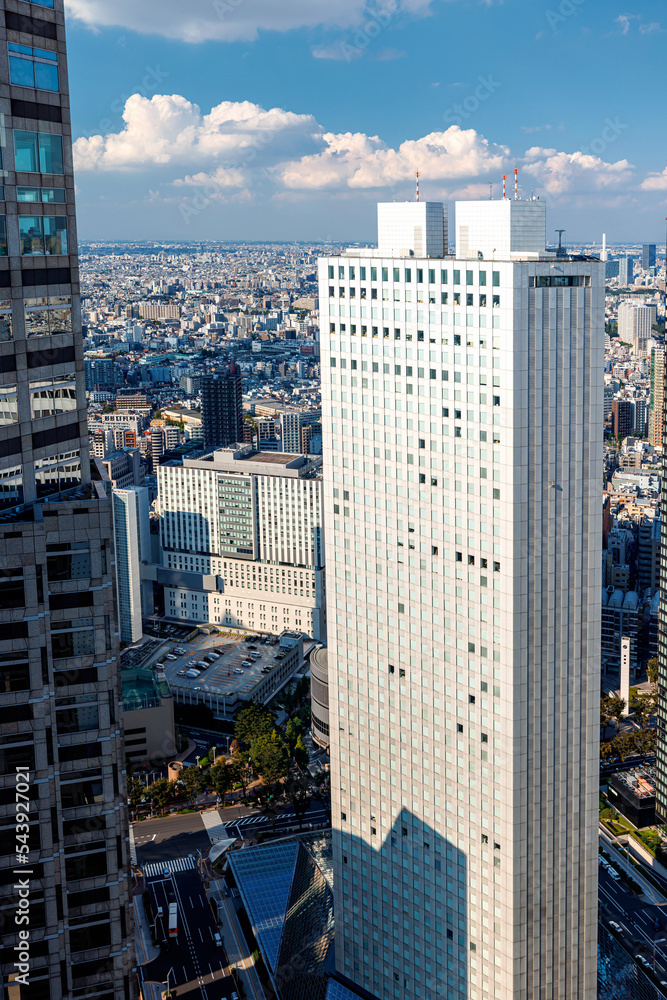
196	966
637	919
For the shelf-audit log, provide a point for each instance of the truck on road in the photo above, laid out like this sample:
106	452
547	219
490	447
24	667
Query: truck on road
173	920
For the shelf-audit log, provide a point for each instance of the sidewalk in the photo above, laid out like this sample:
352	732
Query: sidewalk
145	949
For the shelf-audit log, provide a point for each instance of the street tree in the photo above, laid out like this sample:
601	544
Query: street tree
221	778
297	793
652	670
642	706
645	741
301	753
270	757
192	780
135	792
293	731
161	793
253	721
616	708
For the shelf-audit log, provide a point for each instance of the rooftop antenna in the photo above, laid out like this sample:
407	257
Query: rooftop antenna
490	192
516	183
504	183
417	176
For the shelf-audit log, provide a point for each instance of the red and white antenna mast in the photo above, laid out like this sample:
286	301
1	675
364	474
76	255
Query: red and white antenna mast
516	184
504	184
417	176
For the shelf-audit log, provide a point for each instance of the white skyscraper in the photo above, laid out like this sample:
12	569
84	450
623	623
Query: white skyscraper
133	546
462	401
635	324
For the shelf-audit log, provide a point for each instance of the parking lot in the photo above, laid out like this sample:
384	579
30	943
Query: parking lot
226	675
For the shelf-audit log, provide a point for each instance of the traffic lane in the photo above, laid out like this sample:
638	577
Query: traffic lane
636	918
208	959
169	837
196	967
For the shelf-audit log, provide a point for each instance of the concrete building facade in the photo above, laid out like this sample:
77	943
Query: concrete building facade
463	535
248	527
60	696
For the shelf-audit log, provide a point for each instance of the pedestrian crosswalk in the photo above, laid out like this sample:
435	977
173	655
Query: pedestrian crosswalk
177	865
248	820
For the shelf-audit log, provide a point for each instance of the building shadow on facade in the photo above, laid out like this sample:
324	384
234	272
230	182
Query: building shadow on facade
413	941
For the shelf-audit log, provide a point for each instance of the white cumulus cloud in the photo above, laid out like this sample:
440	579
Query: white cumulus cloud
560	173
356	160
170	130
655	182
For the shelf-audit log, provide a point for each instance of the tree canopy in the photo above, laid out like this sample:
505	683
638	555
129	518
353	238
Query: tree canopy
252	722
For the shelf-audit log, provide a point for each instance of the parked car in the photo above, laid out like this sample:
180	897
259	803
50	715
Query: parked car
246	663
237	670
180	673
170	656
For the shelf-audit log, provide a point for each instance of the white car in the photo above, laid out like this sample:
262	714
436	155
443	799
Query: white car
615	927
193	673
643	961
614	874
170	656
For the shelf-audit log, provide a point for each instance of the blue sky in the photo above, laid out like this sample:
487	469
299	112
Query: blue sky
252	119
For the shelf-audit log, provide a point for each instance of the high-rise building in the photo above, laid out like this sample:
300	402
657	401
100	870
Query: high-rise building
635	324
60	693
657	397
133	546
291	424
640	419
648	256
622	418
626	270
249	538
102	373
464	610
222	409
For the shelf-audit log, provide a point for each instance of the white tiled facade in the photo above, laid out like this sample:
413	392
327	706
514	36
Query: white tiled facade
258	538
132	537
463	533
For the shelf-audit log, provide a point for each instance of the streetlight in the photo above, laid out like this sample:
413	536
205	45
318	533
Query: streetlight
166	994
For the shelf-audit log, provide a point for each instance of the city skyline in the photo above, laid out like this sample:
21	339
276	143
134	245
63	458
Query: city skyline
295	124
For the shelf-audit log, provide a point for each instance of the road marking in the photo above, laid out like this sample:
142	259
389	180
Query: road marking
177	865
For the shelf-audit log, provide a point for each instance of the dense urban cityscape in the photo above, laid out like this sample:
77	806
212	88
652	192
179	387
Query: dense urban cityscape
332	631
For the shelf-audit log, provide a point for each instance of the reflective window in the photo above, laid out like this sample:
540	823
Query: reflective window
11	486
42	3
43	235
58	473
31	67
3	235
6	325
49	196
9	412
53	395
48	315
38	152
